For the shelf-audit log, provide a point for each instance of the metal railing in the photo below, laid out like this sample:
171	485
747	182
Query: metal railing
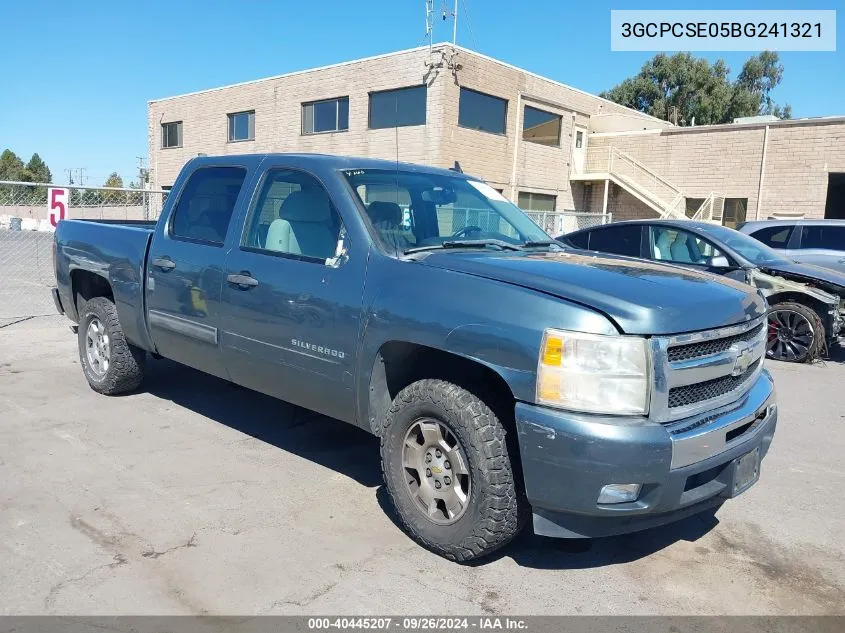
662	195
560	222
711	209
26	262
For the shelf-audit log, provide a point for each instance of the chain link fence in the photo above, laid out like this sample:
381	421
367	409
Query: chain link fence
559	222
26	235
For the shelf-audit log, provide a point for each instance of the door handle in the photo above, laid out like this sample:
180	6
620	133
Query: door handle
165	263
243	280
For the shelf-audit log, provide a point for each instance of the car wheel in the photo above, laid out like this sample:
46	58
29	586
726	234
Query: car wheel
796	333
448	473
111	365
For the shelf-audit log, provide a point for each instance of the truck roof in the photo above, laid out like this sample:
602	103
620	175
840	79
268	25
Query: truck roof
329	160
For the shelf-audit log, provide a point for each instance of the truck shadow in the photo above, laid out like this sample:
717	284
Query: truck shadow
354	453
342	447
539	552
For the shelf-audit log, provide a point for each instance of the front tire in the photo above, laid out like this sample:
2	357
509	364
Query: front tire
110	364
796	333
448	473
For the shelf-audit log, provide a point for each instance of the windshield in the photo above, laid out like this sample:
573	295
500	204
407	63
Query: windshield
752	250
418	210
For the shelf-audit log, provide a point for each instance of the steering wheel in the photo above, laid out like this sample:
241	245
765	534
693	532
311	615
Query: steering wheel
467	230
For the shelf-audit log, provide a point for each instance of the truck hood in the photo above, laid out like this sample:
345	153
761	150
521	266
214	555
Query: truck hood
640	297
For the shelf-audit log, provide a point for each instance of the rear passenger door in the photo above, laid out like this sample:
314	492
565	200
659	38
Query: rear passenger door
823	245
292	294
185	267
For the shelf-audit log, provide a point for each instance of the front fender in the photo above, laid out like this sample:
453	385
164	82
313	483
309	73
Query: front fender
497	324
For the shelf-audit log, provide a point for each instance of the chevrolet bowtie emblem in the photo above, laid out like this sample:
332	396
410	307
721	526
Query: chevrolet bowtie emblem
742	362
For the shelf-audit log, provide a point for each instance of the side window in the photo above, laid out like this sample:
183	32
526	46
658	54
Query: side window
578	241
681	247
205	206
293	216
774	236
815	236
620	240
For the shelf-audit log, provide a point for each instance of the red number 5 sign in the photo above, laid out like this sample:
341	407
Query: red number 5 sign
57	199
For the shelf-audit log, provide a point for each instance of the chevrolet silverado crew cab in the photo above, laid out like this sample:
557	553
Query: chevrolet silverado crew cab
507	377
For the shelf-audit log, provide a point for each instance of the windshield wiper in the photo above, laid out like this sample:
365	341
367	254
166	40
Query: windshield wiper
536	243
505	246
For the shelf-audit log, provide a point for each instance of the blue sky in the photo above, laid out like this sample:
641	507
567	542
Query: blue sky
78	76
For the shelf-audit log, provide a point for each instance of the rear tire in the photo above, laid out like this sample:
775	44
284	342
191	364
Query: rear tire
435	429
796	333
110	364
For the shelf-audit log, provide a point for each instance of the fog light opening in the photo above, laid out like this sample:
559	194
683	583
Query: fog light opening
619	493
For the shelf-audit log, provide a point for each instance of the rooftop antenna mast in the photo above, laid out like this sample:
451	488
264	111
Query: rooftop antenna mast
429	22
454	21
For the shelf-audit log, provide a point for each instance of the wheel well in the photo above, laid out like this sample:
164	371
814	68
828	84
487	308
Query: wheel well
816	305
87	285
398	364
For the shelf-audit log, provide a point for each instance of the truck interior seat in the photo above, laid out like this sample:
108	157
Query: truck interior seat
304	226
387	218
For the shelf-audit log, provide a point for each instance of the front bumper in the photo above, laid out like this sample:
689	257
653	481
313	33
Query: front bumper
685	467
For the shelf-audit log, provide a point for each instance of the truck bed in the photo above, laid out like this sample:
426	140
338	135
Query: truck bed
113	250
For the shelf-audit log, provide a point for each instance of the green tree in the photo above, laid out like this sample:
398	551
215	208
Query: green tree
38	169
114	180
11	166
695	89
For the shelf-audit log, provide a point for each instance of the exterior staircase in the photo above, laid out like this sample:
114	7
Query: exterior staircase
657	193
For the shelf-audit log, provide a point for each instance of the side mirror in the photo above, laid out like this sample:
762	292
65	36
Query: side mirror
720	262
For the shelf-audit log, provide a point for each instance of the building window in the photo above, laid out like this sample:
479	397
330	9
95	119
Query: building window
693	205
171	134
543	127
579	139
479	111
329	115
398	108
541	202
734	212
242	126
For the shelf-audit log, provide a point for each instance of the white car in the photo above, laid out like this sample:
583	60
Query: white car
819	242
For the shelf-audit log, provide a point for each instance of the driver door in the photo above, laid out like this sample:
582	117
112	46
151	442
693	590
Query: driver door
678	246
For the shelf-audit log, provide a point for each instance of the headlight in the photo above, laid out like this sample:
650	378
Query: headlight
593	373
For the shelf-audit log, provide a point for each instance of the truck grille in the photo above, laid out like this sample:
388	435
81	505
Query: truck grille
695	373
691	394
705	348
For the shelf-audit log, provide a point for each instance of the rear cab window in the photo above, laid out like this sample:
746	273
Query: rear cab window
204	209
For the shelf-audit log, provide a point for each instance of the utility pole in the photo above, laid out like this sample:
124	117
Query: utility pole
69	172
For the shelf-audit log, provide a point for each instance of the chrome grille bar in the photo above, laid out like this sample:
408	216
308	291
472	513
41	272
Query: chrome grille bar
730	357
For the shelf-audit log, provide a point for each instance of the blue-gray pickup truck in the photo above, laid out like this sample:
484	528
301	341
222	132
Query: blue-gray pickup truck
507	377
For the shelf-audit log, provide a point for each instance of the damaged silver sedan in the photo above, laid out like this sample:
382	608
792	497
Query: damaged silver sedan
806	311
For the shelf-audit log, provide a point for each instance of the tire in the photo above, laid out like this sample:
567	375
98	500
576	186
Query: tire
121	366
796	333
494	509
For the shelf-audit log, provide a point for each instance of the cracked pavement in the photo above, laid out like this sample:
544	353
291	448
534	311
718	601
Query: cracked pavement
195	496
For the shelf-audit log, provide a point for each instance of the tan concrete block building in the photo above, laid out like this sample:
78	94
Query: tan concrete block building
547	146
